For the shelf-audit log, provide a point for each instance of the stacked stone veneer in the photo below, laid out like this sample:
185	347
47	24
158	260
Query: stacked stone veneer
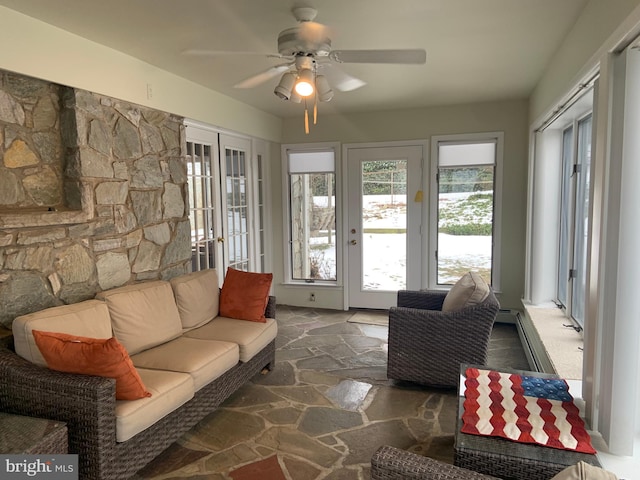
93	200
30	143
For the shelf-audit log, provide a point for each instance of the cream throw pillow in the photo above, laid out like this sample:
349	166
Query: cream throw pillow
584	471
470	290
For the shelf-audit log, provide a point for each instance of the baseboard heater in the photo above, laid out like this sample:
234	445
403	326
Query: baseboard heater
507	316
534	349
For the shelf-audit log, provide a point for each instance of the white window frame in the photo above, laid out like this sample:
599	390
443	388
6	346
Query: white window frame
568	305
436	140
286	206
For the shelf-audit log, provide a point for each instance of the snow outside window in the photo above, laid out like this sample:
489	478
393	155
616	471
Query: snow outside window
312	215
464	209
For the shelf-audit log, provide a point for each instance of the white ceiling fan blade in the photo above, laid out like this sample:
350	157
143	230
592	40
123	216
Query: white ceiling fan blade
225	53
411	56
262	77
342	80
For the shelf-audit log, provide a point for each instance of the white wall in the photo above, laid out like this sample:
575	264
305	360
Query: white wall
37	49
599	28
509	117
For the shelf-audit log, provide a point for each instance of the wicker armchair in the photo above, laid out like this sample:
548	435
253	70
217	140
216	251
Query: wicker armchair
427	345
390	463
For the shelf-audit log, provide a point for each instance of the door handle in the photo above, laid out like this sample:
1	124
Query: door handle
353	242
220	239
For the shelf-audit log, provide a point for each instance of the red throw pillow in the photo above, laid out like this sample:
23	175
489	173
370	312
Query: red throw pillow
104	357
245	295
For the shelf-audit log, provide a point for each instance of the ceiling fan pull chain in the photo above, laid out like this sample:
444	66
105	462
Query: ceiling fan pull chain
315	110
306	117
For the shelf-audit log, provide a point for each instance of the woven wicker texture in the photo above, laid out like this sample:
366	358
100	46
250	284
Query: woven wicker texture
392	463
506	466
427	345
29	435
512	464
87	405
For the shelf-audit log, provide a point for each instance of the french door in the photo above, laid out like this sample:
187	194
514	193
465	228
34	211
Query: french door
221	196
384	217
235	164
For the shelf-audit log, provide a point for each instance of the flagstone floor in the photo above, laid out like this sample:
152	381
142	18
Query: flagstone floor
323	410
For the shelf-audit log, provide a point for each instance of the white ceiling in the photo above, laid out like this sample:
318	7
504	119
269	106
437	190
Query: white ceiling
477	50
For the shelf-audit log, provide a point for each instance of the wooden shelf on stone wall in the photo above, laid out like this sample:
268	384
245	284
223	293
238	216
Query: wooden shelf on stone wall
32	217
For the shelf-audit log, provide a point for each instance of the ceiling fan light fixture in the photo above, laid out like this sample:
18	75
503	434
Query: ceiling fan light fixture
304	86
295	97
285	87
325	93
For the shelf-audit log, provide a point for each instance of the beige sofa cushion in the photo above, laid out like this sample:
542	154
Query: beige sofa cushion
87	319
251	337
169	390
204	360
470	289
197	297
143	315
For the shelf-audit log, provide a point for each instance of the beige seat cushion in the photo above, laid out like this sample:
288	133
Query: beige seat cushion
470	290
251	337
197	297
204	360
169	390
87	319
143	315
584	471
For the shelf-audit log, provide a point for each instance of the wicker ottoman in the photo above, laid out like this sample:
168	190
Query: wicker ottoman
511	460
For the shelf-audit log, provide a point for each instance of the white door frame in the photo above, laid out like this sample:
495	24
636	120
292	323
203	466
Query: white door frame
415	239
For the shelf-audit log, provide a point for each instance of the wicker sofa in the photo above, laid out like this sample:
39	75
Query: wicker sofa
432	332
116	438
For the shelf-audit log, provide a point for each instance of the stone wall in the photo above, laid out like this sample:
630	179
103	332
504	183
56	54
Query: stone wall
120	214
30	143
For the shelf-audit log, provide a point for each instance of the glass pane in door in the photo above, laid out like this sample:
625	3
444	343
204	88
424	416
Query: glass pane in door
201	212
237	208
384	224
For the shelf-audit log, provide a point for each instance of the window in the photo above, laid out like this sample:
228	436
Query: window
311	204
464	207
564	264
574	215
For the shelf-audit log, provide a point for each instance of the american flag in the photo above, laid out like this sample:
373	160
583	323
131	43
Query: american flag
523	408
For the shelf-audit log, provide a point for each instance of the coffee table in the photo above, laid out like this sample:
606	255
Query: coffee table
29	435
507	459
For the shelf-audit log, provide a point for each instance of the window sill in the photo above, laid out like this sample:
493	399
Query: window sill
554	347
311	284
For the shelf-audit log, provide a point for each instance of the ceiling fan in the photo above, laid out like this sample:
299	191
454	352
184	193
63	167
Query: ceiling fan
310	68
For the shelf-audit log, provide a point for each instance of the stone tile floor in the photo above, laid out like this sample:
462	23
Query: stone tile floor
323	410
